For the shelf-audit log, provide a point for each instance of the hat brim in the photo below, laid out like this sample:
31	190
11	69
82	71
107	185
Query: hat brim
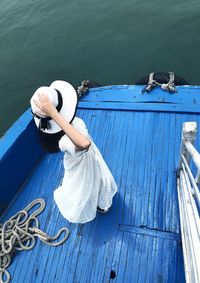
68	110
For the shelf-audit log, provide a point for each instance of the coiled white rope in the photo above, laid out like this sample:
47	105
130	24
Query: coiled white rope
20	232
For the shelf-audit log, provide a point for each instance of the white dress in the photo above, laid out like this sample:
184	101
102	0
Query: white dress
87	181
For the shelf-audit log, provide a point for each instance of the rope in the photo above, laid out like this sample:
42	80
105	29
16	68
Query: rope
20	232
83	88
152	83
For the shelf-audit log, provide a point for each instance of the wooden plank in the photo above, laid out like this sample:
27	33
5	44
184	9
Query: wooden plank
185	95
131	106
144	171
149	232
15	147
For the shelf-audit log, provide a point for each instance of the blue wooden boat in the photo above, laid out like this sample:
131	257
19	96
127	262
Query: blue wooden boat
139	240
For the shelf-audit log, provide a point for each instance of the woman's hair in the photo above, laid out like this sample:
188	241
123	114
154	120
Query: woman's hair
50	142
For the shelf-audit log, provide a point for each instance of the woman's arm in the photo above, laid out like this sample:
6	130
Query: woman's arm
81	142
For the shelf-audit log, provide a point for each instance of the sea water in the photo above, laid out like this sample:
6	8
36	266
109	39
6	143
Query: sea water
107	41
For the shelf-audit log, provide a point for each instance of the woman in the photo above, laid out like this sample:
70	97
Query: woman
87	185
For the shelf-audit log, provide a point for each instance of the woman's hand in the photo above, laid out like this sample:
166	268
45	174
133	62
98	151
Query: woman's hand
45	105
47	108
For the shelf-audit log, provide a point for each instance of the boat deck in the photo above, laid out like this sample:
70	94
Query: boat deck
138	240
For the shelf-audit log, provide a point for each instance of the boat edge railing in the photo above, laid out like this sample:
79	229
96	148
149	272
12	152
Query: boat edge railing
19	145
189	203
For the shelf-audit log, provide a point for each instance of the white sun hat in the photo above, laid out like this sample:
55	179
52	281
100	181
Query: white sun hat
63	96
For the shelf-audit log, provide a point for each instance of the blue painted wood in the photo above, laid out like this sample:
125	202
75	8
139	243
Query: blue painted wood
19	153
186	99
183	95
14	132
141	151
149	232
144	107
139	239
